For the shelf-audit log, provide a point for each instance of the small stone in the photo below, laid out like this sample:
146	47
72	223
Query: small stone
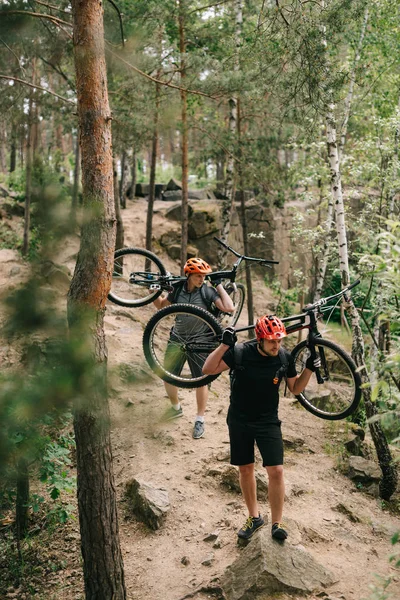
185	561
207	562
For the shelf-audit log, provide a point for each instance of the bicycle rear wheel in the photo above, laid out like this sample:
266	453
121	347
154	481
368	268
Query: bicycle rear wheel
177	341
135	270
238	297
340	393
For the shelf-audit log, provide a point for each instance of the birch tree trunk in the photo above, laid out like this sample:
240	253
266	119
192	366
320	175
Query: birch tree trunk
388	482
230	187
102	559
184	135
326	251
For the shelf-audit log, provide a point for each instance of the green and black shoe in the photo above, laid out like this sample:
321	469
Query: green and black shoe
250	527
278	531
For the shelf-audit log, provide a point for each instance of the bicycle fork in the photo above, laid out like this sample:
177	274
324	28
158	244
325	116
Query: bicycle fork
321	354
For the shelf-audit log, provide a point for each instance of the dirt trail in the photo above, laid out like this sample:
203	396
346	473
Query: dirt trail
167	456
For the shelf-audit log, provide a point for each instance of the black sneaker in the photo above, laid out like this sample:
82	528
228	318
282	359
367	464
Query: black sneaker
278	532
198	430
250	527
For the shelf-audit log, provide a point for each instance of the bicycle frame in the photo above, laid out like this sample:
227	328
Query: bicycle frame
164	282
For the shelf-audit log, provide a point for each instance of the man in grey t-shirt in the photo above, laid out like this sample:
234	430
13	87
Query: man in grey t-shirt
195	269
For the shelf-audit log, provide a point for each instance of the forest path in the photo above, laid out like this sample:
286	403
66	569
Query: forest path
165	454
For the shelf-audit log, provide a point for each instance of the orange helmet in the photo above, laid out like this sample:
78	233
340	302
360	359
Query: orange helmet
196	265
269	327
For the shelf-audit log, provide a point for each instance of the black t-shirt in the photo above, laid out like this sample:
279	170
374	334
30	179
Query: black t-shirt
254	396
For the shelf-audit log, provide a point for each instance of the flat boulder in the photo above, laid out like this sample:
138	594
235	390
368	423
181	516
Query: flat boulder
149	503
266	566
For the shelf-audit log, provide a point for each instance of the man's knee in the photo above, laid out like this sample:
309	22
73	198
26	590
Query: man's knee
246	470
275	473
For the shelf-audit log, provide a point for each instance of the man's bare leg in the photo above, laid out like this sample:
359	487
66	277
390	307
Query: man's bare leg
248	486
276	492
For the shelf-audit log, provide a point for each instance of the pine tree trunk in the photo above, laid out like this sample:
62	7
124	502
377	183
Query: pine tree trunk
75	189
119	238
246	250
184	136
388	482
153	165
133	173
28	177
22	499
13	148
102	559
124	176
228	204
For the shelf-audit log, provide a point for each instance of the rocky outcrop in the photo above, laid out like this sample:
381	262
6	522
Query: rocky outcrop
268	567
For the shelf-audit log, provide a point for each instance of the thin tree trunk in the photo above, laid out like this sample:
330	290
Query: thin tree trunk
13	147
119	238
124	177
153	165
228	204
75	189
22	499
249	285
102	558
184	136
28	173
133	173
388	482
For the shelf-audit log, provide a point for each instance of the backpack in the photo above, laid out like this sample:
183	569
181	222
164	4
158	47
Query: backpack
238	360
204	292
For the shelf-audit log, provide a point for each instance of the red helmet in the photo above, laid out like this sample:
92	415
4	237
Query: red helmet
196	265
269	327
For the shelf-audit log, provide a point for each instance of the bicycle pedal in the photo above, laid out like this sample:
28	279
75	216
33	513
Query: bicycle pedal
154	286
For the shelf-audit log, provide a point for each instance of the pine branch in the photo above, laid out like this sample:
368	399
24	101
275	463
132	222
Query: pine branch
37	87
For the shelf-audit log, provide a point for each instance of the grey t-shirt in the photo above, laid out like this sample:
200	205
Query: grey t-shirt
184	324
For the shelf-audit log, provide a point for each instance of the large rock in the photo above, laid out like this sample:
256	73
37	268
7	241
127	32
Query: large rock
363	471
149	503
268	567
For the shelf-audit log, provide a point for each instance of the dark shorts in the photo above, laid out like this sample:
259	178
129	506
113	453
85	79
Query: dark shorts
175	358
268	438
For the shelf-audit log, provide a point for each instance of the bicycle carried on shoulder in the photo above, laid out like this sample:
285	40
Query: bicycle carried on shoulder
333	392
139	277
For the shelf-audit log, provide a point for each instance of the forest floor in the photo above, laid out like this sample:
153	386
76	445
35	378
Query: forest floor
175	561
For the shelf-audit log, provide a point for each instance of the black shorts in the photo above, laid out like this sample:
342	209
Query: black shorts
176	356
268	438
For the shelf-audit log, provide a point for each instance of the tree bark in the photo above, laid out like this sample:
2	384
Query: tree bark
102	559
184	136
124	179
75	189
249	285
230	187
13	147
388	482
28	173
133	173
153	165
119	238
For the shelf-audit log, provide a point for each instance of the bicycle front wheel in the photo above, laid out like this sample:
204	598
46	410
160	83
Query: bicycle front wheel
340	393
237	295
135	271
177	341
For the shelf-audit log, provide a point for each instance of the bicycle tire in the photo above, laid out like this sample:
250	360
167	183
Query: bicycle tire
147	266
238	297
200	336
339	396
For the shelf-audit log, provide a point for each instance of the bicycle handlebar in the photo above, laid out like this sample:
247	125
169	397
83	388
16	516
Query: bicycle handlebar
263	261
323	301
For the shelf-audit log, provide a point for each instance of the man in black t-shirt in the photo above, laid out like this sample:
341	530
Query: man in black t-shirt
253	412
194	291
